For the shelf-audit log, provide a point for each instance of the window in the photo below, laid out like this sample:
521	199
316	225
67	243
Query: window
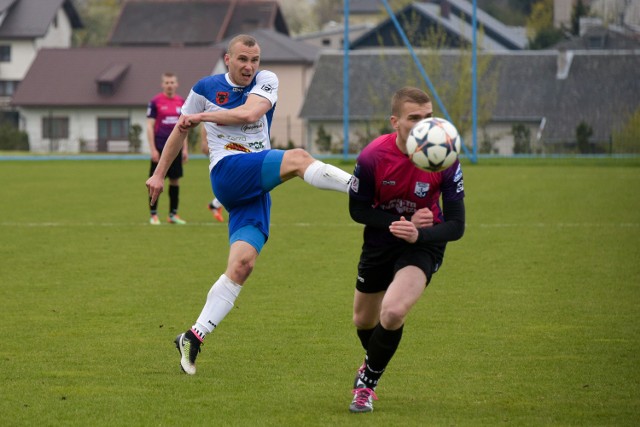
113	129
105	88
55	127
8	87
5	53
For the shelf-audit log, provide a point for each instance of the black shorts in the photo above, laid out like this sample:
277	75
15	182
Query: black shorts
377	267
175	170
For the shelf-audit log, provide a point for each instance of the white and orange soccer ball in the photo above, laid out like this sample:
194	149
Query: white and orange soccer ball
433	144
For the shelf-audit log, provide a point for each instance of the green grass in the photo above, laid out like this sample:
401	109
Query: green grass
534	318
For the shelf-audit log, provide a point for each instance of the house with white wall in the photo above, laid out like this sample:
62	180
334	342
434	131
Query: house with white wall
26	26
87	99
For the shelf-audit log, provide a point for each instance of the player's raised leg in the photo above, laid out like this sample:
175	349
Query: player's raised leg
298	162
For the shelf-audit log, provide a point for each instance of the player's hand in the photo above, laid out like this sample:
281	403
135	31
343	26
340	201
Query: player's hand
188	121
422	218
155	156
405	230
155	185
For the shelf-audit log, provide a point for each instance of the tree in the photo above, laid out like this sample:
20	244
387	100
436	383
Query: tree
579	10
453	84
627	139
540	29
98	17
297	14
521	139
323	140
12	138
135	130
583	133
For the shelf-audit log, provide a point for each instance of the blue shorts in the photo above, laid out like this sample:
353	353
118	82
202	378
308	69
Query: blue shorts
242	183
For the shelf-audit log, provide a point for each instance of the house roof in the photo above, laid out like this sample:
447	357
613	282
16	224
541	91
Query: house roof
31	18
192	22
601	87
71	77
454	17
601	37
4	4
365	7
276	47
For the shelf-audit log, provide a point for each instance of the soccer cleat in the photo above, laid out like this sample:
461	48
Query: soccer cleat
154	220
363	398
188	350
216	212
175	219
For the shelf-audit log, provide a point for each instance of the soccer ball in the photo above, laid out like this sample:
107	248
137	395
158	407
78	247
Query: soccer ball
433	144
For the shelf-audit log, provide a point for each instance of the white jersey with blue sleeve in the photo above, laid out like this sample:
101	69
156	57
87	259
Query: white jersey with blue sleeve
217	92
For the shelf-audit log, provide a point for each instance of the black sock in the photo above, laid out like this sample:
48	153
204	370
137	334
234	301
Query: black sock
382	346
174	198
153	209
365	336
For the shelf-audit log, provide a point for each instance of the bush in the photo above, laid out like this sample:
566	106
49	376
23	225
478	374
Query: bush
12	139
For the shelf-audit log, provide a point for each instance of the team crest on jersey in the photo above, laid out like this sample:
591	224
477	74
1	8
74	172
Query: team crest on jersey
222	98
421	189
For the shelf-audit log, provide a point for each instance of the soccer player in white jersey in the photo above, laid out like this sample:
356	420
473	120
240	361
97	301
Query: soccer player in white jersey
237	108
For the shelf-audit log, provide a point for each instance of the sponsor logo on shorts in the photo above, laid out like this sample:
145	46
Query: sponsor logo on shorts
460	187
360	279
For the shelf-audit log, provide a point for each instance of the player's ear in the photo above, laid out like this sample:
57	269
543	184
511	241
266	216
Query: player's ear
394	122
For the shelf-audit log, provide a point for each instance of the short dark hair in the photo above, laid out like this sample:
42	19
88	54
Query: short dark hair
245	39
408	94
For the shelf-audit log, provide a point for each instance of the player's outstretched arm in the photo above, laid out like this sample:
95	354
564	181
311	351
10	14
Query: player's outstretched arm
249	112
155	184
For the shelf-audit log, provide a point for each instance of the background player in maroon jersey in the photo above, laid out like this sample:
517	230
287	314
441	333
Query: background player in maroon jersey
163	113
405	236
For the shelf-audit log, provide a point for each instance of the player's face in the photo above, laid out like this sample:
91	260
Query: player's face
410	114
243	62
169	85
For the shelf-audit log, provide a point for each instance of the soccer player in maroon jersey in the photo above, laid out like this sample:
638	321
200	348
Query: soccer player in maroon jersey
405	235
163	113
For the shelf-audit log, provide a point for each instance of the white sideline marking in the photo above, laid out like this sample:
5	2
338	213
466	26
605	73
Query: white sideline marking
314	224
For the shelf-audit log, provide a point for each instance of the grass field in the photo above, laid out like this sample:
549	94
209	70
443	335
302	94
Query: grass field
534	318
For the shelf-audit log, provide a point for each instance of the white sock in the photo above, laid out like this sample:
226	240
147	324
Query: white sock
220	301
216	203
327	177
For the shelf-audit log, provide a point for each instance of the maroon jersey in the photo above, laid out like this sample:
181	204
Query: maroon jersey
385	177
166	111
